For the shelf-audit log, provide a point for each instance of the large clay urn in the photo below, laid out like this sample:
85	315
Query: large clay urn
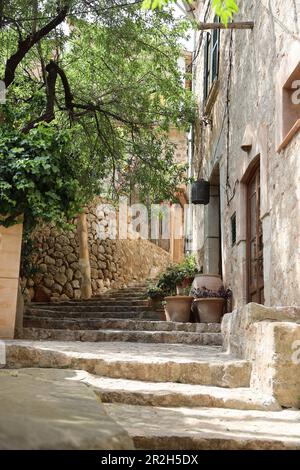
10	254
209	281
210	310
178	308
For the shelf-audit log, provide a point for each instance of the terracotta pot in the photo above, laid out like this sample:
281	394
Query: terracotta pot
209	281
10	253
180	288
178	308
210	310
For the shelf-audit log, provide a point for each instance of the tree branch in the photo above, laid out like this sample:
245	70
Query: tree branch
49	114
25	45
1	12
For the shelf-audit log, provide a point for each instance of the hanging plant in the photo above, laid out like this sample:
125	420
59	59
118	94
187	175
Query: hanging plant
200	192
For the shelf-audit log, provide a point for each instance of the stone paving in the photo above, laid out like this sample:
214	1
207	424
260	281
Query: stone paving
48	410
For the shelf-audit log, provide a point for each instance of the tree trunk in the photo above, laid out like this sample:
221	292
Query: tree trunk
84	258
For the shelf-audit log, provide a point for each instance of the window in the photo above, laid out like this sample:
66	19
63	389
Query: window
211	59
233	229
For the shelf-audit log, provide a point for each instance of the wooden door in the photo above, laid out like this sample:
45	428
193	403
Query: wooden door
255	266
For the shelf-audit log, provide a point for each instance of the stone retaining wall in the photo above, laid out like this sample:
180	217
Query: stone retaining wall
114	263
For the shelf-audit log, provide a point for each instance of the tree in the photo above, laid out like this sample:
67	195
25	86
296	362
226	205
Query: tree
119	97
103	77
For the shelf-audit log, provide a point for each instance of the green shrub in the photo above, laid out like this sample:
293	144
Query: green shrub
38	176
176	273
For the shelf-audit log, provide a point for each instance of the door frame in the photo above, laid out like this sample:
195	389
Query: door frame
255	167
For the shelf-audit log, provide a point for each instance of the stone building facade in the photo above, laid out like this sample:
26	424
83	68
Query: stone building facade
247	145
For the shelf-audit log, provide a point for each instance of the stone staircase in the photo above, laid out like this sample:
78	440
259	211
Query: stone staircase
169	385
123	315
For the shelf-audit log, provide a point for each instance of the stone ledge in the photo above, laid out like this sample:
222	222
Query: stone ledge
51	410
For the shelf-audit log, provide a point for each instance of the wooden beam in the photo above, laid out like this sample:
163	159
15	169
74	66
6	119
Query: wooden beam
234	25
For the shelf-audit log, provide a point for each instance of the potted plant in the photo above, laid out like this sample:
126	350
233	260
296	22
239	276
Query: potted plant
177	279
186	271
178	308
168	280
200	192
210	304
156	296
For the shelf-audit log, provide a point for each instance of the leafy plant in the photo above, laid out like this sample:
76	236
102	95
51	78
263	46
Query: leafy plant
155	293
168	280
188	267
203	293
38	176
225	9
176	273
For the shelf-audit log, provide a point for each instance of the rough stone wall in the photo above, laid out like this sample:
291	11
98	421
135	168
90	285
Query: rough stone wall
114	263
262	61
270	339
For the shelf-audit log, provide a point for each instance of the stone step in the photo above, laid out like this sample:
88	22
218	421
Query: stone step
89	303
168	394
139	315
97	308
177	337
180	363
208	428
125	295
118	324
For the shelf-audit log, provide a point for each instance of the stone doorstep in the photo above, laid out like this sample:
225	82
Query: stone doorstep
208	428
147	315
169	394
122	324
47	410
202	365
123	335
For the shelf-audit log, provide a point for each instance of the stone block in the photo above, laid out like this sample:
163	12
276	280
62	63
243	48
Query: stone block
10	246
10	252
270	339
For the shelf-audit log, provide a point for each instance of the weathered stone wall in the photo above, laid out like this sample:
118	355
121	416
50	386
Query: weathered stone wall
114	263
270	339
262	61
